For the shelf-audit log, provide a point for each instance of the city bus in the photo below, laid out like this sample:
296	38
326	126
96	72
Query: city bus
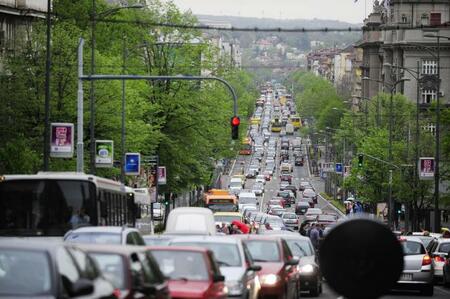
295	120
48	204
246	147
276	125
219	200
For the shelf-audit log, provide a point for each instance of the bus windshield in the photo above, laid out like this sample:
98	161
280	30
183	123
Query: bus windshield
45	207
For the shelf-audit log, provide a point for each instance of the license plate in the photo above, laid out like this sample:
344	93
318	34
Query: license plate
406	276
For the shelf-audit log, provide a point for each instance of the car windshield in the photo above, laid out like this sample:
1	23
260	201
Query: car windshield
244	200
412	248
182	265
264	251
94	238
444	247
275	221
289	216
300	248
112	266
24	273
227	255
236	184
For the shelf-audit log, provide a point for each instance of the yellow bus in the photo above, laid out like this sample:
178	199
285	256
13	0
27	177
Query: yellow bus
276	125
219	200
296	122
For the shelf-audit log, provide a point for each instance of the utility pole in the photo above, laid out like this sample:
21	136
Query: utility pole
47	89
122	141
91	94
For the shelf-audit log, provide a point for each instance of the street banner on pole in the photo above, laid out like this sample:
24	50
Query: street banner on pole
132	163
61	140
328	167
426	168
338	168
162	175
104	153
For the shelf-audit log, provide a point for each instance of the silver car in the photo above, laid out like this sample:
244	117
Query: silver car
437	249
235	263
418	268
290	219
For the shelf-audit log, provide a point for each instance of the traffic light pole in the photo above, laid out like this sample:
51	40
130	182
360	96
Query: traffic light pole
92	77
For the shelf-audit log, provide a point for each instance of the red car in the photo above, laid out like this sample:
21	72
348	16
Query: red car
193	272
279	276
286	177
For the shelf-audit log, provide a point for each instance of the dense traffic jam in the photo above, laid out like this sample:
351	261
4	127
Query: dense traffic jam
245	242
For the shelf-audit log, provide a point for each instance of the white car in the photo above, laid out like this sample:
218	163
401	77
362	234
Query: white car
260	179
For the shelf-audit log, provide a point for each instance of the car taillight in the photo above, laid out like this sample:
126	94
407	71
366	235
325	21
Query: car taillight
439	259
117	293
426	260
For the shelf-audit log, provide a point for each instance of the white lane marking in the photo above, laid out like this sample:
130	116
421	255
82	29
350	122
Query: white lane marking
441	289
232	167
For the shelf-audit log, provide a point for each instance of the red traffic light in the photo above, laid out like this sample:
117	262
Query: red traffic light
235	121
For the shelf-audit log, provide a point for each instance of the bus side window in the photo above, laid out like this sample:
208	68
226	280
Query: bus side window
103	204
138	211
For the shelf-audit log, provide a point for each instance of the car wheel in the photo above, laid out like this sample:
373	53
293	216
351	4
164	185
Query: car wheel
428	290
446	280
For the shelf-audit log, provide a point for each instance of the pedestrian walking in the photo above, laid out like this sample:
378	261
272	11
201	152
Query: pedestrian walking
314	236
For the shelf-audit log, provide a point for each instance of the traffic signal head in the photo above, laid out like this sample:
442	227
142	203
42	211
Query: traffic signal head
360	160
235	121
166	202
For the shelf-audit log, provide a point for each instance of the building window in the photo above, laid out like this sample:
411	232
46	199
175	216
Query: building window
435	18
430	127
428	96
429	67
425	19
404	19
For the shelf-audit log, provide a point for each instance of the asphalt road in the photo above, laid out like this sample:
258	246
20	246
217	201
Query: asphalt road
302	173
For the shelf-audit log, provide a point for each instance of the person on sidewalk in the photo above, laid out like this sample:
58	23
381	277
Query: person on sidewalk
314	236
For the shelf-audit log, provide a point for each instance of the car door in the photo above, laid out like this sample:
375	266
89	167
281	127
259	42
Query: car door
292	274
249	277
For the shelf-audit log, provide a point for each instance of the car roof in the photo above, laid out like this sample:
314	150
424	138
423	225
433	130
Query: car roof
108	248
102	229
177	248
246	237
35	245
411	238
205	239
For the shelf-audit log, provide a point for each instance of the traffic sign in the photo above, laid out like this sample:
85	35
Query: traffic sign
339	168
426	168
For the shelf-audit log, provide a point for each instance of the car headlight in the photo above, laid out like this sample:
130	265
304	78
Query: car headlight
270	279
306	269
234	287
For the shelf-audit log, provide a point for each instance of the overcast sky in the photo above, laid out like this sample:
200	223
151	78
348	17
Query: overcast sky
342	10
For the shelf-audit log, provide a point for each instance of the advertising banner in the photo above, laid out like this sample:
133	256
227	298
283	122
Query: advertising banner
132	163
162	175
426	168
61	140
347	170
104	153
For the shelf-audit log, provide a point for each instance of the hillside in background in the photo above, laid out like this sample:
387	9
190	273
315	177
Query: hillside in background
301	41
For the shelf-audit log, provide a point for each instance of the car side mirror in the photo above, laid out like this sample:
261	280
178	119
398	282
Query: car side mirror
292	262
218	278
82	287
254	267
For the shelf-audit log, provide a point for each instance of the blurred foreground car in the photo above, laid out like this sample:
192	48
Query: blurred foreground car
310	276
192	272
105	235
279	275
133	272
418	268
31	269
234	261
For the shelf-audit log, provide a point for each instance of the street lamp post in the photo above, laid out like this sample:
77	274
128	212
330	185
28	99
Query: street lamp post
393	88
94	17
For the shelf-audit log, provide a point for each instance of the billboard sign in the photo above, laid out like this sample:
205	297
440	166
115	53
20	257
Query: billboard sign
338	168
132	163
426	168
61	140
162	175
104	153
347	170
328	167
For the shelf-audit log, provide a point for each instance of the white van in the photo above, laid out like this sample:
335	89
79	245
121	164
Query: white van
289	129
190	221
247	198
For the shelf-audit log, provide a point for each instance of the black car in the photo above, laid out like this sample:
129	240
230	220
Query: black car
446	271
287	195
33	269
291	188
301	207
299	161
